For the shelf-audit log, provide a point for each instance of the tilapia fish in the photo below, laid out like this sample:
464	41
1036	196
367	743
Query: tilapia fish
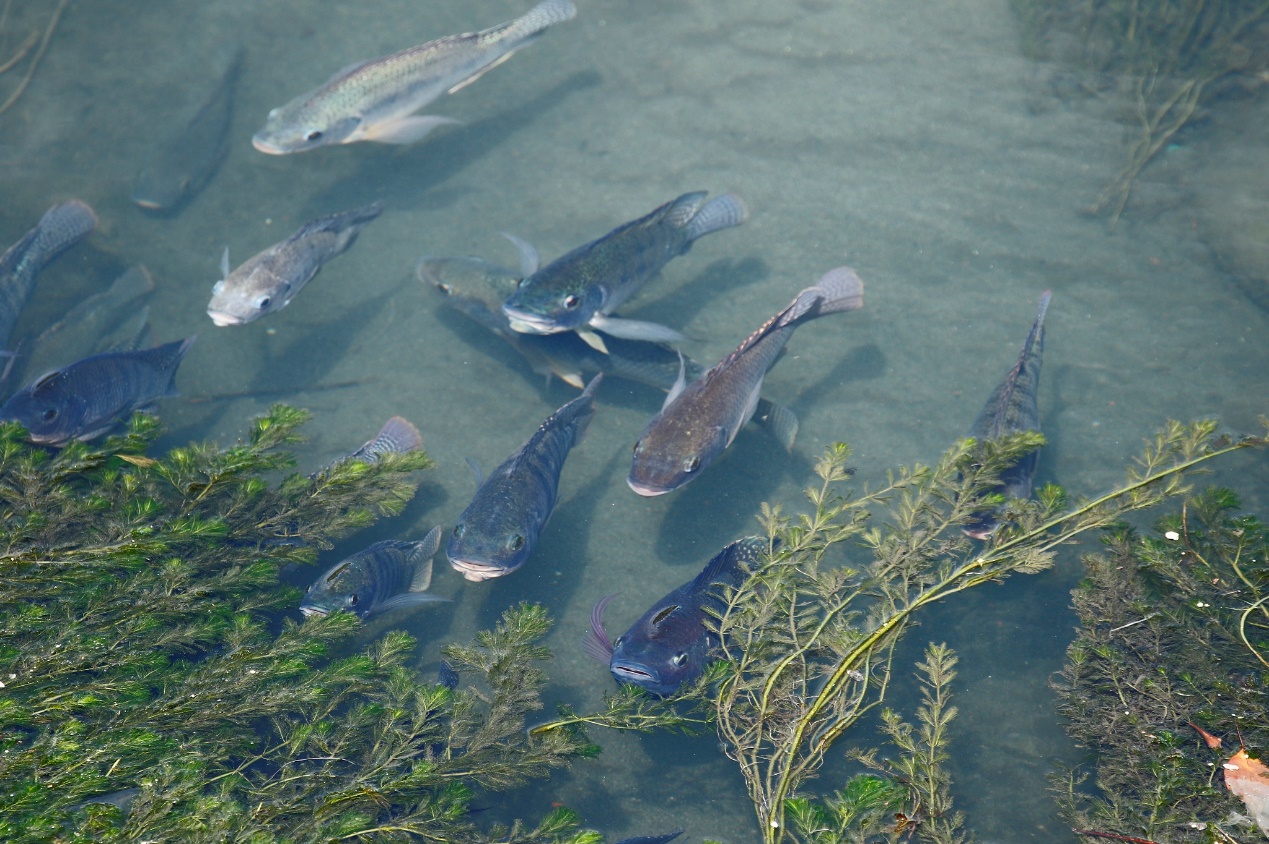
375	100
388	575
498	531
91	396
1011	410
477	288
397	436
700	419
180	165
269	281
581	290
61	227
670	644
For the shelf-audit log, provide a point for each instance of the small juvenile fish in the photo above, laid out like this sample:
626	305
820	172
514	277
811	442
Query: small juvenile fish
700	419
61	227
182	163
477	288
91	396
386	576
1012	410
498	531
375	100
580	291
670	644
269	281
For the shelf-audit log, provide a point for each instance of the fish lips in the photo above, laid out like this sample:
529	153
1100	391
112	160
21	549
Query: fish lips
649	489
527	322
310	611
262	143
627	671
477	571
225	318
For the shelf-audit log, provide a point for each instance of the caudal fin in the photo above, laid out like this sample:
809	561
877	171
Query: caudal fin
721	212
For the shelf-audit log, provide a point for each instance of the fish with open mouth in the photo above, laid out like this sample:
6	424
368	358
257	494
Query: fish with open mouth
388	575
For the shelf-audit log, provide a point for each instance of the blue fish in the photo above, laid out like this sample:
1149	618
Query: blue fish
1011	410
386	576
670	644
498	531
91	396
61	227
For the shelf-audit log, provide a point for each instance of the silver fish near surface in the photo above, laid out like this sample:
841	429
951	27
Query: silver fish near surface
61	227
182	163
388	575
91	396
375	100
270	280
581	290
477	288
700	419
1012	409
670	644
499	529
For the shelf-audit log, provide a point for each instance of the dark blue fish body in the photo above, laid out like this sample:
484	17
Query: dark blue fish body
1012	409
701	419
670	644
388	575
87	398
582	289
498	531
61	227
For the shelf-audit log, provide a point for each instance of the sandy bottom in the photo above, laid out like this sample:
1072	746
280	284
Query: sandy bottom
922	149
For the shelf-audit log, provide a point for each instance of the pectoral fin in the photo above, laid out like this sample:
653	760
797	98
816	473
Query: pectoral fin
780	421
593	340
406	599
633	329
402	130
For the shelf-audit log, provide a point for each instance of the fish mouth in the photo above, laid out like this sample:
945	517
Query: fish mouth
266	147
527	323
477	571
648	490
224	318
313	612
627	672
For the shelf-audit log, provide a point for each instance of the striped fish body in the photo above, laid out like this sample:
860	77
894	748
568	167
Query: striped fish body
387	575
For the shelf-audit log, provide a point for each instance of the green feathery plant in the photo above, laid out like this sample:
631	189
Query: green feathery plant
150	690
1173	638
808	647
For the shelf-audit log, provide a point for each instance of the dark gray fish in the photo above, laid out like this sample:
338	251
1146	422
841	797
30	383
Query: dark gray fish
397	436
386	576
1012	410
477	288
61	227
581	290
448	675
701	419
109	321
183	162
498	531
269	281
91	396
652	839
670	644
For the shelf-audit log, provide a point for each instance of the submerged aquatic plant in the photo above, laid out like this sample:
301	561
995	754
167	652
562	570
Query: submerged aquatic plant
1167	676
1168	53
808	646
150	691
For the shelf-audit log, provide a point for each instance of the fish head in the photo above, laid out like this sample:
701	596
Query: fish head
348	586
51	409
672	452
485	548
667	647
303	124
538	306
471	286
245	297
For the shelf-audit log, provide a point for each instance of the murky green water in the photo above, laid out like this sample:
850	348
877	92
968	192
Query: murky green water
919	147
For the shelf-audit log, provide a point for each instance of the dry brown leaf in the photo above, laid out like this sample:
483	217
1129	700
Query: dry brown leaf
1249	779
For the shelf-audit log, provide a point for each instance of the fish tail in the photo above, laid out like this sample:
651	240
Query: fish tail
62	226
839	289
540	17
721	212
397	435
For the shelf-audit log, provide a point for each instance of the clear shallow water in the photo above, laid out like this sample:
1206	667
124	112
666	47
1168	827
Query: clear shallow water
922	149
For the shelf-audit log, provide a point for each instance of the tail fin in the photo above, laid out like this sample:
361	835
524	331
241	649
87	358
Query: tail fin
837	290
721	212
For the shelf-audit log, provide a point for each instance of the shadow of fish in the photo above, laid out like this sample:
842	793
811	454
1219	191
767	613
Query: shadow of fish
670	644
270	280
374	100
389	575
1011	410
181	164
61	227
91	396
700	419
498	531
581	290
477	288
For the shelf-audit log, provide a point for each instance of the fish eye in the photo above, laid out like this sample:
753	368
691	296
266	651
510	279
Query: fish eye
353	600
517	542
313	134
679	660
571	301
459	530
263	302
48	415
691	464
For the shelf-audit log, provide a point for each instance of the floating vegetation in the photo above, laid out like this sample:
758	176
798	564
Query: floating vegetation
1168	677
1165	55
808	646
153	691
